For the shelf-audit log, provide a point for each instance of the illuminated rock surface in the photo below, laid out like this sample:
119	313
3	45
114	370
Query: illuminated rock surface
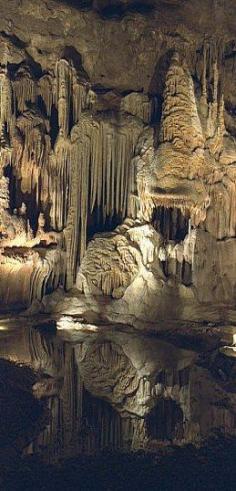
118	114
118	222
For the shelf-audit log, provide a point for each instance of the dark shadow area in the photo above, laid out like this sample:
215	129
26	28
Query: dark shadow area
14	40
17	198
29	64
171	223
20	412
109	9
71	54
165	420
97	415
54	125
78	4
120	9
41	105
211	467
96	224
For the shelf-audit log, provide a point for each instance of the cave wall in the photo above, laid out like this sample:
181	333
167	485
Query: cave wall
117	119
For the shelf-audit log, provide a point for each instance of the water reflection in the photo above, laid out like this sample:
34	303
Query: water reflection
121	390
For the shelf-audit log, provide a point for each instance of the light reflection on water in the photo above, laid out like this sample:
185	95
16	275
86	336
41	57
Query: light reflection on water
107	388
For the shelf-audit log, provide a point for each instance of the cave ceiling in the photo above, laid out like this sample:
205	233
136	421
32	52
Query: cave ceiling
120	53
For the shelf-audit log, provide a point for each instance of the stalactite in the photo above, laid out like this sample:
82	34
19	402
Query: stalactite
204	73
110	190
43	268
5	99
138	105
46	91
24	88
76	230
212	92
63	94
6	118
96	167
60	176
79	93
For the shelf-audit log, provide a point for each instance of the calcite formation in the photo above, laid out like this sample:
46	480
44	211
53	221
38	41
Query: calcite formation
117	187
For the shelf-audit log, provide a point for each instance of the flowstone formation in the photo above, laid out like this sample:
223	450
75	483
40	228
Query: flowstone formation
122	189
65	179
182	204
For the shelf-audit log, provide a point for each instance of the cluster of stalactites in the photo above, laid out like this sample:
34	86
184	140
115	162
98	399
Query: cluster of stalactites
62	89
213	70
98	155
70	96
26	106
212	100
24	89
89	158
5	98
32	148
21	103
28	276
188	128
181	125
6	117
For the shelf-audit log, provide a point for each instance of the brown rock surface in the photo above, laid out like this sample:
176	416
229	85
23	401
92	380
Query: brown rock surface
118	117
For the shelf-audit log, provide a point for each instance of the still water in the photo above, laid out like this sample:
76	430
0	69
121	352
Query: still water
98	388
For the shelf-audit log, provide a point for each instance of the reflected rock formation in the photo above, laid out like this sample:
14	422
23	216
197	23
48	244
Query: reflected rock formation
120	390
118	219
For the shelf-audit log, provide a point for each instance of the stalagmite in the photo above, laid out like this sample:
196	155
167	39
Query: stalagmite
180	121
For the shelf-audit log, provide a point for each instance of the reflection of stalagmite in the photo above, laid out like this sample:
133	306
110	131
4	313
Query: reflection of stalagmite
123	391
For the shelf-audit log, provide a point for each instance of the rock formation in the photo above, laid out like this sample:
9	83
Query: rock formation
110	185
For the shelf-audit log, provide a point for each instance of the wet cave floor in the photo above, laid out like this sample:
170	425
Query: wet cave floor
113	409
